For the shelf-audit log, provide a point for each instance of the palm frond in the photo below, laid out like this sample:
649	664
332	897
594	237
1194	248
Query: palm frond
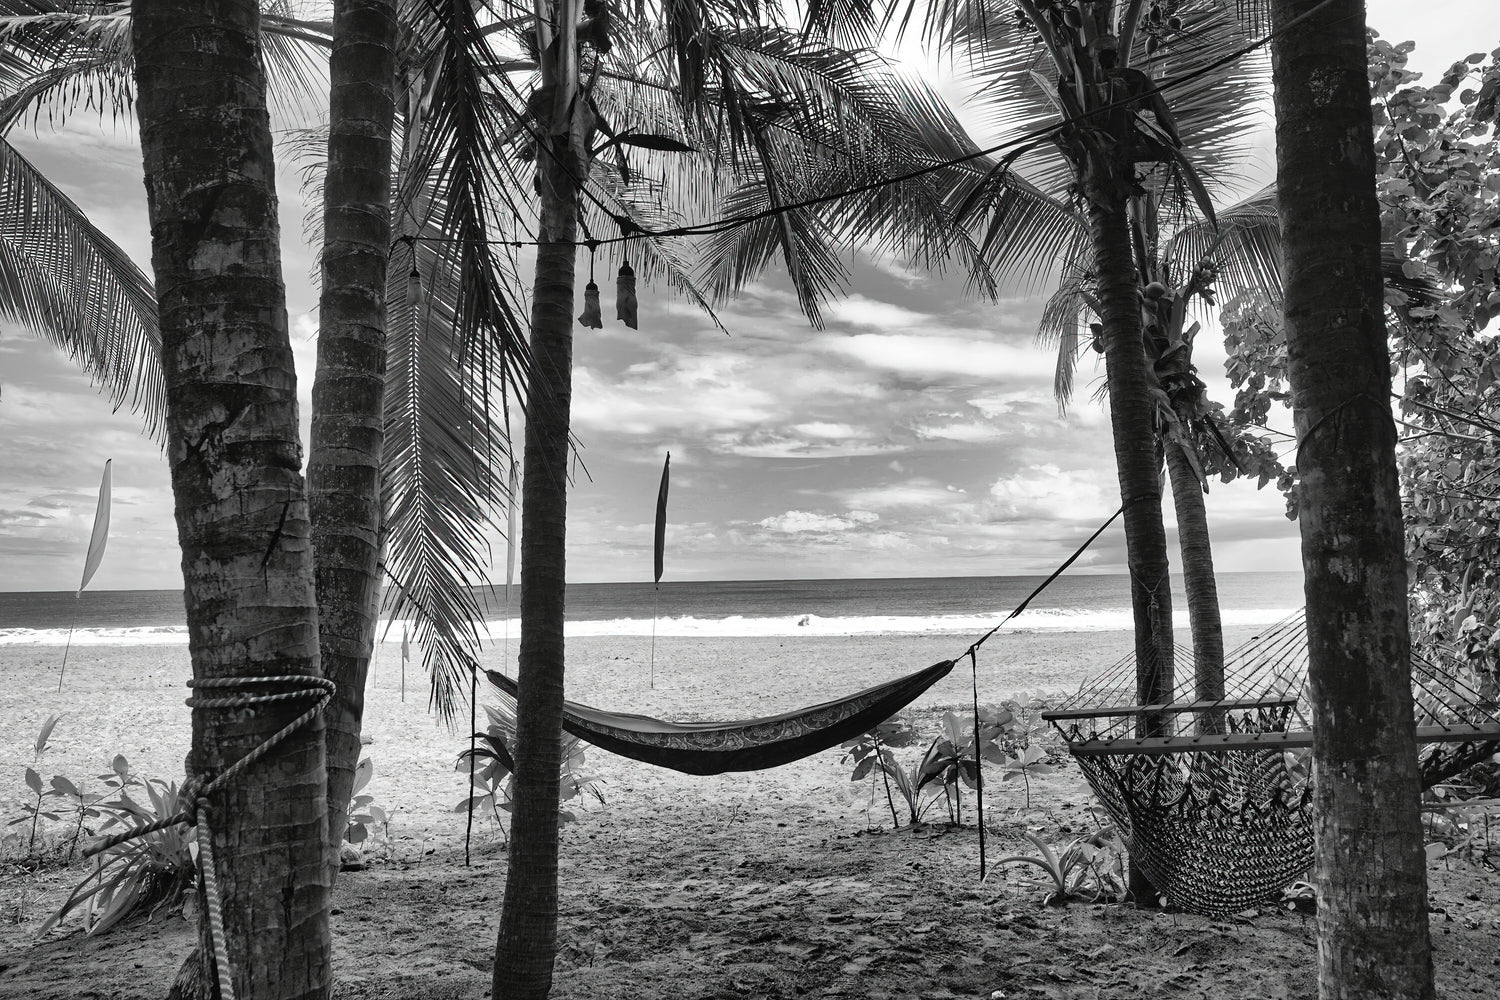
1026	233
456	339
1246	246
1214	113
63	278
1063	315
63	57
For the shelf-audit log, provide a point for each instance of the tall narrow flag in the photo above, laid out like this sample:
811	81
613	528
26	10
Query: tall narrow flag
661	545
101	532
514	489
405	655
661	515
91	561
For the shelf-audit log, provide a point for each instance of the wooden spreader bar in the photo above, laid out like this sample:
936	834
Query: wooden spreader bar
1156	746
1181	707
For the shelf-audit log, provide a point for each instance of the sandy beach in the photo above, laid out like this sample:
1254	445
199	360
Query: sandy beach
129	700
781	883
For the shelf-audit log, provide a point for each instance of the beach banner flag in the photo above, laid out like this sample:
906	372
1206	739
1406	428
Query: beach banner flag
661	515
91	561
660	549
101	532
514	489
405	655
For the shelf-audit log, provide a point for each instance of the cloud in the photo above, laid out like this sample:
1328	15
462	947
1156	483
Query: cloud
1050	493
946	354
796	522
693	395
859	311
928	493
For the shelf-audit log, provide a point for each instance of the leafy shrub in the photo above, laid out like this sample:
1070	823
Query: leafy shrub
366	819
1089	868
494	766
1010	736
140	875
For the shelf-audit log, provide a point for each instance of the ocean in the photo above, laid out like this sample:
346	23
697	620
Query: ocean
718	608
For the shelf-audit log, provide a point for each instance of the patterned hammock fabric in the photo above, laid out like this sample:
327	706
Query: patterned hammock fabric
749	745
1220	828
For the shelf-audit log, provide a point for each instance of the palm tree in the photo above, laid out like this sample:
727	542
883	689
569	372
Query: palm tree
1086	62
108	319
718	84
1373	938
348	397
1239	251
241	505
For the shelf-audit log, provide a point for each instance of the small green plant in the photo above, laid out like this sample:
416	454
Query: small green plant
366	819
33	811
1090	868
949	760
1022	743
83	805
144	874
494	767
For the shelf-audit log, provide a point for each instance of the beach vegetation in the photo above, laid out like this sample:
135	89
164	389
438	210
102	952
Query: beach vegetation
490	767
35	811
1090	868
1009	736
143	875
368	821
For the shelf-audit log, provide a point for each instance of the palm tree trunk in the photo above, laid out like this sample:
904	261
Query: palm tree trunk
240	502
526	947
1136	464
1202	588
343	470
1131	410
1373	939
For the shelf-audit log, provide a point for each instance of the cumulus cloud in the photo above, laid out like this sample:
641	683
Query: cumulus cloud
795	522
1046	491
949	354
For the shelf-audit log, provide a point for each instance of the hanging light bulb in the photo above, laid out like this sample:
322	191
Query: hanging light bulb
625	304
413	285
591	316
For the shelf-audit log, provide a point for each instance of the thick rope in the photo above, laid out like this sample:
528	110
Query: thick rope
213	904
197	789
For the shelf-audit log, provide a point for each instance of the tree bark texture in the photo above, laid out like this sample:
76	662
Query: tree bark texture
526	947
1201	585
235	458
1373	939
1131	415
348	394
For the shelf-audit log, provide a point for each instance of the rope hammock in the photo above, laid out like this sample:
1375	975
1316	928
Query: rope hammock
1213	795
749	745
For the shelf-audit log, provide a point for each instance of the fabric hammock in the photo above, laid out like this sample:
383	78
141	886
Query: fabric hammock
1215	803
749	745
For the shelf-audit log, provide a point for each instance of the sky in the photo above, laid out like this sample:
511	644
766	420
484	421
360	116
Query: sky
915	435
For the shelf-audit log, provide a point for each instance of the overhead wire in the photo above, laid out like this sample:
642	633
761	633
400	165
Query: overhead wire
1015	147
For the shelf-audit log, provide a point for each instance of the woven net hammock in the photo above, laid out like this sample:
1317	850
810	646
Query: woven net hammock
1212	796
